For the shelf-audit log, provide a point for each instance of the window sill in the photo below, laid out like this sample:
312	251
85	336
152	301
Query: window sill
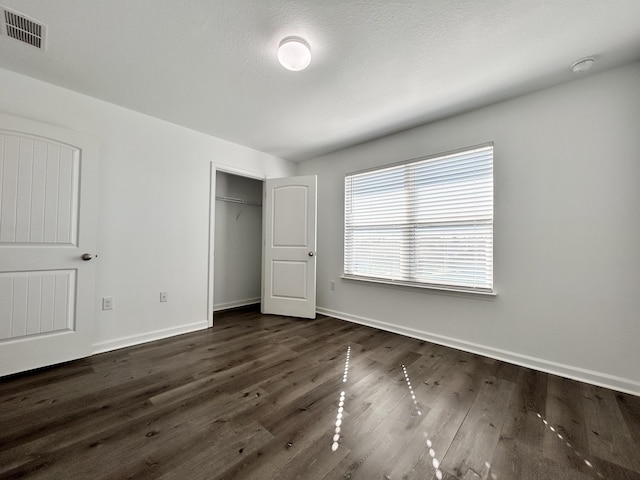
435	288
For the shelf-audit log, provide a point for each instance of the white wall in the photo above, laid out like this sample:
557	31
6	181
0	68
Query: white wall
153	218
567	233
238	242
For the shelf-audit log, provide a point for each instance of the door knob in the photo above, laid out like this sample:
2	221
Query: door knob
311	254
86	256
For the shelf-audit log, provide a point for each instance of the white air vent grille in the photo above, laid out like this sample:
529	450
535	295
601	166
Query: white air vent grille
22	28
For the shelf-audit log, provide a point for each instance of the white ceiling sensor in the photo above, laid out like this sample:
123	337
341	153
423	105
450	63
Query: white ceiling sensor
22	28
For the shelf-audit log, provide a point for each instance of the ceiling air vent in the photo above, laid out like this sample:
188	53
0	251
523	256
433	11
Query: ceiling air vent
22	28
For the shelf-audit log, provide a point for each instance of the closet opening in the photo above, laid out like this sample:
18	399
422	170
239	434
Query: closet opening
237	242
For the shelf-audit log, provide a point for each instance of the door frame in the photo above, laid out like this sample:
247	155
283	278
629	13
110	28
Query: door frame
214	168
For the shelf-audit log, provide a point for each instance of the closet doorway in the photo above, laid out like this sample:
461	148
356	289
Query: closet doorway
237	241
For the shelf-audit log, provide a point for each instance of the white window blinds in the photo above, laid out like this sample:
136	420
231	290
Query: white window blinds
427	222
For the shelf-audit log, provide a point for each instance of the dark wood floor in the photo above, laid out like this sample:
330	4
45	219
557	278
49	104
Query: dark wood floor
257	397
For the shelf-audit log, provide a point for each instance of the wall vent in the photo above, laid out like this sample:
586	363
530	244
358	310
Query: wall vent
22	28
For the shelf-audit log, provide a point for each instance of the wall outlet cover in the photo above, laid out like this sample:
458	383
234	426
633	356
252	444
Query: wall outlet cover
107	303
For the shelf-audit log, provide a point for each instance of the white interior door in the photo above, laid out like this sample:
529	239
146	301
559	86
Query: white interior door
48	209
289	276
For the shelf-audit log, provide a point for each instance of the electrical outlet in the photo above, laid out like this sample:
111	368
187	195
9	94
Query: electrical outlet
163	296
107	303
333	284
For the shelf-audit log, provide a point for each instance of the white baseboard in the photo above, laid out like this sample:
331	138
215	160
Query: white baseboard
146	337
238	303
588	376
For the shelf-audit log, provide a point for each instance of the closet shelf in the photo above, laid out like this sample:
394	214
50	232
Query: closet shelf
238	200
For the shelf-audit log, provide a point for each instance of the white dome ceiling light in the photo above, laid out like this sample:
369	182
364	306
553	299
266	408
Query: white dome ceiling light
294	53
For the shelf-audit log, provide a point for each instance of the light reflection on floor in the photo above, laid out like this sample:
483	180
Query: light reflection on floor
346	366
432	453
336	435
569	446
429	443
413	395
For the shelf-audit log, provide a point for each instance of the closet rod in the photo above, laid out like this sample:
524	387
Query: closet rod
238	200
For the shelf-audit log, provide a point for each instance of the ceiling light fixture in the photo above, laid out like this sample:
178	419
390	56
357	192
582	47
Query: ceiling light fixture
294	53
583	65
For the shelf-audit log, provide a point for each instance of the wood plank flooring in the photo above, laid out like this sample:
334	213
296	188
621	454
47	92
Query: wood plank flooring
258	397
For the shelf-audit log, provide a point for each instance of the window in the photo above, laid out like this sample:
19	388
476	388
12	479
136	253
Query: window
426	222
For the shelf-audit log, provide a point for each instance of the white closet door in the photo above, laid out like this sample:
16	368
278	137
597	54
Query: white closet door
289	280
48	199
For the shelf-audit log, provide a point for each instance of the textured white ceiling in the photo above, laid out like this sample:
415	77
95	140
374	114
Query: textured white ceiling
378	66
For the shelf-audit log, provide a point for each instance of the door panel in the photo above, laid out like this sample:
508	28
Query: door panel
36	302
289	280
290	212
286	279
39	191
47	221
